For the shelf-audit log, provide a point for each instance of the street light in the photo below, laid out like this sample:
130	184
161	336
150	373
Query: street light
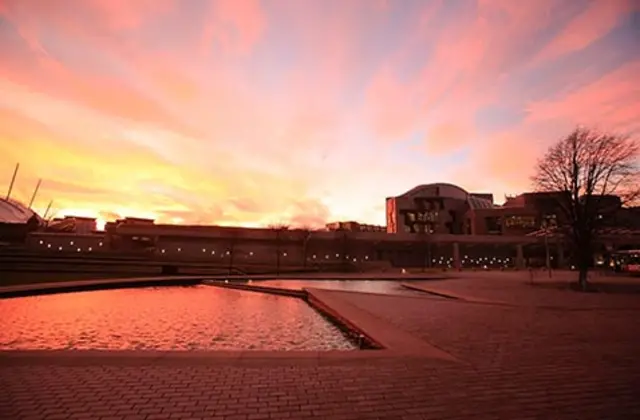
547	224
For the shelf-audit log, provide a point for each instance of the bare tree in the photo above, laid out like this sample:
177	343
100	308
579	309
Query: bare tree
589	169
306	235
278	228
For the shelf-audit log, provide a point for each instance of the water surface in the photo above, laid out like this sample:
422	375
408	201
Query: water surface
168	318
386	287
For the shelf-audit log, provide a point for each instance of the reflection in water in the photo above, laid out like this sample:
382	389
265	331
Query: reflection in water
169	318
370	286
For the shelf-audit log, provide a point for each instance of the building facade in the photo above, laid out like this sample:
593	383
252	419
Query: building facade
352	226
435	209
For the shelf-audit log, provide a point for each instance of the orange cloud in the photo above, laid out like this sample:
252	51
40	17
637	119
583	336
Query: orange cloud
249	112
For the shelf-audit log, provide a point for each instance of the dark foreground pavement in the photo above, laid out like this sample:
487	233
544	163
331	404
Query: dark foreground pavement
512	363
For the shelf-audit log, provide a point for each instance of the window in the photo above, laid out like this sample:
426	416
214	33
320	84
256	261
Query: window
493	224
520	222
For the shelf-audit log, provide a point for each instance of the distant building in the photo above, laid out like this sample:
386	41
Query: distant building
16	221
351	226
448	209
434	208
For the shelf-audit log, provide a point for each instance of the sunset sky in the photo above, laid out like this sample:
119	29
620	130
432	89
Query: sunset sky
299	111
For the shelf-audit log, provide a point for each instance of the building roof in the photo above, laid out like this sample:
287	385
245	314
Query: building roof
453	191
479	202
12	211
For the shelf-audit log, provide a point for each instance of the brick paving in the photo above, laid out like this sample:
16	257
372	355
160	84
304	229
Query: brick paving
515	288
519	362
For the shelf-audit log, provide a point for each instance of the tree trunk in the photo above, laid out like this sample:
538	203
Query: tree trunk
584	257
583	273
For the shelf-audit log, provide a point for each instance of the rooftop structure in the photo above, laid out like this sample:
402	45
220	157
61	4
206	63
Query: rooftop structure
12	211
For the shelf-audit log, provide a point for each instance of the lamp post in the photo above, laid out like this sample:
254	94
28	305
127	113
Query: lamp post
547	225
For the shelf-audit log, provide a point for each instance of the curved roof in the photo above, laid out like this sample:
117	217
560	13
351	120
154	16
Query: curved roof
453	191
419	188
12	211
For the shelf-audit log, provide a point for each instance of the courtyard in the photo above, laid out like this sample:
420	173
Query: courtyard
502	350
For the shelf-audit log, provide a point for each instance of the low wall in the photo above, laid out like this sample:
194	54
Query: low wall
260	289
96	284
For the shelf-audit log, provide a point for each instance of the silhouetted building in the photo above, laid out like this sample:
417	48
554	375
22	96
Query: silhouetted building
434	208
354	227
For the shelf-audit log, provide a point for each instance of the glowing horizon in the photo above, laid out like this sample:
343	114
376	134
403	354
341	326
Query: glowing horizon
249	112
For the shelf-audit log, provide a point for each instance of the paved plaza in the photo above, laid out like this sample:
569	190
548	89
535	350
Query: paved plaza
513	351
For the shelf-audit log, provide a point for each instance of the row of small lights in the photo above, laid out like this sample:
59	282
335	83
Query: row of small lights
284	254
484	261
71	243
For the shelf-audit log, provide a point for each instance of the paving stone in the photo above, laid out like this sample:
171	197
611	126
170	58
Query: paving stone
515	361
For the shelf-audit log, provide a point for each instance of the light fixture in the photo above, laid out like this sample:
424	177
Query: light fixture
89	249
48	245
71	243
179	249
41	242
99	243
79	250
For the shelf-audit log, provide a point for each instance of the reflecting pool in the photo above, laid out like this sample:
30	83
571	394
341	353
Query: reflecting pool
168	318
370	286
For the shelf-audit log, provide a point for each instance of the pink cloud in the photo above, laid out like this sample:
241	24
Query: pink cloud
393	106
447	137
470	57
321	124
598	19
235	24
612	101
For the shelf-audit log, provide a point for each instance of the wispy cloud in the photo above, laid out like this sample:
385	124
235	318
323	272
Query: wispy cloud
256	112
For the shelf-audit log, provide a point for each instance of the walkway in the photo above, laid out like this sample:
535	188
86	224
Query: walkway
518	361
